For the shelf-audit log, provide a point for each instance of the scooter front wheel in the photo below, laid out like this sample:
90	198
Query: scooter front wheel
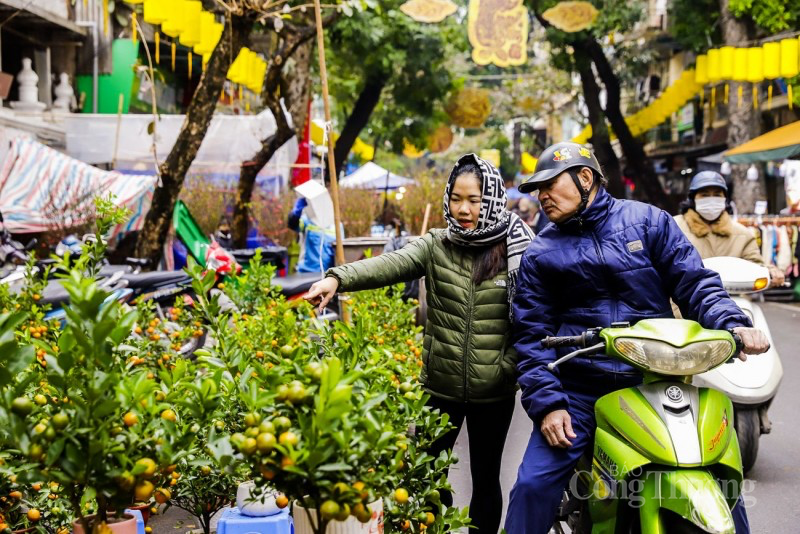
748	430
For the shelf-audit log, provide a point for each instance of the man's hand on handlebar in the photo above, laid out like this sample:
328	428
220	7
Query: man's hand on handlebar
753	340
777	277
557	429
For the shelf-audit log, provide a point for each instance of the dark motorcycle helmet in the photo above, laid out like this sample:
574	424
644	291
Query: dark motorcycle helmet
565	157
704	179
559	158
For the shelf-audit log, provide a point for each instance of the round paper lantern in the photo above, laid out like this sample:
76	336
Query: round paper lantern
469	108
190	35
772	60
789	58
174	22
755	64
713	65
441	139
726	54
701	70
740	65
155	11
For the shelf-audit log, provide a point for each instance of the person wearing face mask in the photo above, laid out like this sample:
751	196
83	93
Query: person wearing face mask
470	271
707	224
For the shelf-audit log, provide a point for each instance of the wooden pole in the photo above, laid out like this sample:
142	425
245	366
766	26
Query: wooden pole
425	219
119	127
337	216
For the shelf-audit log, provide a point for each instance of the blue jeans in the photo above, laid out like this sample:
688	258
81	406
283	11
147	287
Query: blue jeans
545	472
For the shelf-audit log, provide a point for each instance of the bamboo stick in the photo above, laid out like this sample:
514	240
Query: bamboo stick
337	217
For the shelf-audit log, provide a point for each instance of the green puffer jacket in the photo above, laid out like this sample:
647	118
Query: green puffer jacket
467	353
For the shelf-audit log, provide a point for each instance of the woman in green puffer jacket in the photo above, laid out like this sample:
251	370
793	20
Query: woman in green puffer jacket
469	361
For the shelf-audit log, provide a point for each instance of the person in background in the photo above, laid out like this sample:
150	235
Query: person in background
470	274
223	234
398	241
706	222
316	243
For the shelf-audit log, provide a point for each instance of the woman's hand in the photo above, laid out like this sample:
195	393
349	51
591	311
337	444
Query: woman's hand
322	292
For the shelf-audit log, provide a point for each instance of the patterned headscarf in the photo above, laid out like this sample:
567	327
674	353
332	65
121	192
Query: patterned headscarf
495	222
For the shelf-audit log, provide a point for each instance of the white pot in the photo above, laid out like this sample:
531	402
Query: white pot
256	502
350	526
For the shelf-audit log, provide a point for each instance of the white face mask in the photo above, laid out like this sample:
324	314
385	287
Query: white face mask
710	208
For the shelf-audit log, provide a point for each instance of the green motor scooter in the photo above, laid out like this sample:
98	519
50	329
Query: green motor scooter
665	456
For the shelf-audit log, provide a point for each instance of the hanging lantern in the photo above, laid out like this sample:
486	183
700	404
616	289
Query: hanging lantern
772	66
155	11
755	65
237	73
740	65
205	45
726	54
190	35
173	23
789	58
133	1
772	60
701	70
714	65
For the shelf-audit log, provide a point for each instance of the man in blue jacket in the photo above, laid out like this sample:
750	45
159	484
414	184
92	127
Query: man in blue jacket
601	260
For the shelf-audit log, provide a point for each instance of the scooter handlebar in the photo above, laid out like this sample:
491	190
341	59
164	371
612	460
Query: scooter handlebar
555	342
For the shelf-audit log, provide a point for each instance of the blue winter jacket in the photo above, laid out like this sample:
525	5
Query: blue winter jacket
623	263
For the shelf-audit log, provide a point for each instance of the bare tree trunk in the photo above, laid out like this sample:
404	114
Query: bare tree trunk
297	93
362	110
635	157
743	121
298	87
516	142
198	117
600	138
250	169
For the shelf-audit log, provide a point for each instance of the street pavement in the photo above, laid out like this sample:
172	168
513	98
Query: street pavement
773	482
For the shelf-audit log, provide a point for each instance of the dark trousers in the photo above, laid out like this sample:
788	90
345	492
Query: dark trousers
487	426
546	471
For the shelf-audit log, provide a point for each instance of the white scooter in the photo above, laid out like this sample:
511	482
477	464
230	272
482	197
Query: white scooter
751	384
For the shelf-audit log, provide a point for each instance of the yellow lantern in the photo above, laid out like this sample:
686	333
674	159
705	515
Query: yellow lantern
772	60
173	23
133	1
714	65
726	54
789	58
237	73
740	65
206	43
155	11
701	70
755	65
190	35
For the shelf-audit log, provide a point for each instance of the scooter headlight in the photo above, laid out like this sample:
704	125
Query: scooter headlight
667	359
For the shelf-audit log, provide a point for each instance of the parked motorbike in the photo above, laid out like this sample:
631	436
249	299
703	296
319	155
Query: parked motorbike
665	456
751	384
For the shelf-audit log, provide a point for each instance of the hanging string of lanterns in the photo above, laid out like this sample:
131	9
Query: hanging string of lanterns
670	101
187	24
772	60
